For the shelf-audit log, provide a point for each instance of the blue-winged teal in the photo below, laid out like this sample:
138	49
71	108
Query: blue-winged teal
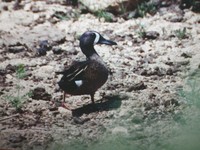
88	76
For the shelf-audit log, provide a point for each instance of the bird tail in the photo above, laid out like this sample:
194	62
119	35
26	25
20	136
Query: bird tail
59	72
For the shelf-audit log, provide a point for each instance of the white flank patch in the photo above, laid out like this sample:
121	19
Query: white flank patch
96	38
79	82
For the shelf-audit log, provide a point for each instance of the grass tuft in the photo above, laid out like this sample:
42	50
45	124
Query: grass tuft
141	31
181	33
18	99
145	8
20	72
106	15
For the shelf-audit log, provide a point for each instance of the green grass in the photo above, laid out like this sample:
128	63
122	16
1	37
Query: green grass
141	32
66	15
191	93
17	99
181	33
20	71
123	8
106	15
179	130
61	15
144	8
188	134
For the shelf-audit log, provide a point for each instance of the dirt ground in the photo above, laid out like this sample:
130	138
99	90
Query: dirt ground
146	73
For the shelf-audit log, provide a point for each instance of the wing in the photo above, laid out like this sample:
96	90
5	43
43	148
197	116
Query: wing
75	70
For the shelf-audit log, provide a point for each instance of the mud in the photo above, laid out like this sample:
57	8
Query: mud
146	72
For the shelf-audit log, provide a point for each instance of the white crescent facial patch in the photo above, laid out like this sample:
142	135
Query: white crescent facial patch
96	38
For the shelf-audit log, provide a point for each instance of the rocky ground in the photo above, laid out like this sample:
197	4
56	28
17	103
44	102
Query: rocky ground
147	67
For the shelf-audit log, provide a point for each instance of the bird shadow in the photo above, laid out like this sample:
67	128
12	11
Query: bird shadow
105	104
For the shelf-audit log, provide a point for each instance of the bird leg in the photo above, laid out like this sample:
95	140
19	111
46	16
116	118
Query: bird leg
65	105
64	95
92	97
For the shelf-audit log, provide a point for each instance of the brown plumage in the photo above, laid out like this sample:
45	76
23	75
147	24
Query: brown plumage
88	76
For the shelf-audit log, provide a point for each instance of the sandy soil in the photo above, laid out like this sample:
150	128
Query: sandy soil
145	72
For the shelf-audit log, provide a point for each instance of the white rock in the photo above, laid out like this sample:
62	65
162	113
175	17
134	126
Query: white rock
44	71
129	43
36	16
64	111
27	7
120	130
8	76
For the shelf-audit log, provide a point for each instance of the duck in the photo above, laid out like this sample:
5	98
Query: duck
86	77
